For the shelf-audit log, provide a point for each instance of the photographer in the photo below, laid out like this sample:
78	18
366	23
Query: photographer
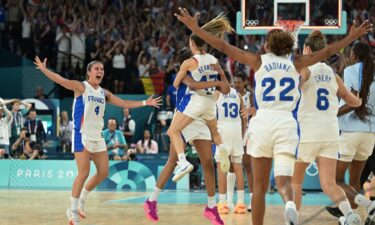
36	130
131	155
22	148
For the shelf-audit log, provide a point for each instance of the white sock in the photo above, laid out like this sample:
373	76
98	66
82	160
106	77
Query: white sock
222	198
211	202
290	204
181	157
345	207
73	203
251	196
84	194
362	201
155	194
240	196
231	180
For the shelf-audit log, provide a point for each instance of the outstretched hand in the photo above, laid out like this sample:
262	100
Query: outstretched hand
358	31
187	19
39	64
155	102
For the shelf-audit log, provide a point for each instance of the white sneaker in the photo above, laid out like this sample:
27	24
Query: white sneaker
182	169
231	207
224	160
81	209
290	213
350	219
370	220
72	217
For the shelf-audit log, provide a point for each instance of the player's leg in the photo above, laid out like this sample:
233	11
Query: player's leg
179	122
216	137
205	155
246	162
83	165
297	181
261	170
222	185
238	170
231	180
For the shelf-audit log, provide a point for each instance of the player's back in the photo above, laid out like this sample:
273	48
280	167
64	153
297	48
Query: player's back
319	105
277	84
88	112
228	113
204	72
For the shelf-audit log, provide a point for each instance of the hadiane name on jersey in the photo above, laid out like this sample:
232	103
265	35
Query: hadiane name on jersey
95	99
277	66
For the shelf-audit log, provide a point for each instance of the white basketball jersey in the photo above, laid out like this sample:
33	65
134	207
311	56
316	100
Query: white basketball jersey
319	105
246	100
204	72
88	112
228	113
277	84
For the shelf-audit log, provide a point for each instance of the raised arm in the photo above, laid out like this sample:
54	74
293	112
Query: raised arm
72	85
350	99
238	54
113	99
310	59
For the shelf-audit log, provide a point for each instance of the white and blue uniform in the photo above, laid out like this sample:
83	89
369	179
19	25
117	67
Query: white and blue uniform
274	131
201	103
229	124
317	115
358	137
88	113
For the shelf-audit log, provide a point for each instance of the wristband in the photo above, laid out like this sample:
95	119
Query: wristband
144	102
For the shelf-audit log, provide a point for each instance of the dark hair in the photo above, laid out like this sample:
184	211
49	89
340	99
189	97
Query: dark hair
183	55
362	52
217	26
92	63
316	41
280	42
241	75
143	139
227	75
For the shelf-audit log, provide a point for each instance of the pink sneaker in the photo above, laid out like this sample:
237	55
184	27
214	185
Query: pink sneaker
213	215
151	210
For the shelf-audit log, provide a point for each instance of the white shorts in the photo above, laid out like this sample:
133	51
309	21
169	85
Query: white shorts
273	132
198	106
356	146
80	142
234	146
196	130
308	152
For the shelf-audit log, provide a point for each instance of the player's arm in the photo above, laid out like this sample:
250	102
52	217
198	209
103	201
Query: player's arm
114	100
199	85
310	59
184	68
225	88
351	99
72	85
243	119
237	54
305	76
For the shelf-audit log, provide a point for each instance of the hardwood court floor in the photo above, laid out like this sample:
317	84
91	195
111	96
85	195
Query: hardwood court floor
48	207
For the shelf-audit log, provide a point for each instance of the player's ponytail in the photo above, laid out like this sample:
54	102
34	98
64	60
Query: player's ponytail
316	41
217	26
362	52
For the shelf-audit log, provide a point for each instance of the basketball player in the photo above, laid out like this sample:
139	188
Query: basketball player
357	126
274	133
229	107
198	133
319	127
200	103
239	83
88	143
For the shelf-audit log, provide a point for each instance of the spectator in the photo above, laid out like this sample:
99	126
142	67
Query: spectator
22	148
114	140
18	117
63	47
171	97
143	65
36	131
5	123
131	155
39	93
147	145
118	67
128	126
65	132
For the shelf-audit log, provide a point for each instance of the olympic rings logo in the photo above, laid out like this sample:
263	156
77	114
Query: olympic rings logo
331	22
312	169
252	22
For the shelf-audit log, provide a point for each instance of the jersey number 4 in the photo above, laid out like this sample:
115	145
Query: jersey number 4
269	83
97	110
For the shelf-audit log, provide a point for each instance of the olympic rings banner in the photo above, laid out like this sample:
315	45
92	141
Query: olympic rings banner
141	175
